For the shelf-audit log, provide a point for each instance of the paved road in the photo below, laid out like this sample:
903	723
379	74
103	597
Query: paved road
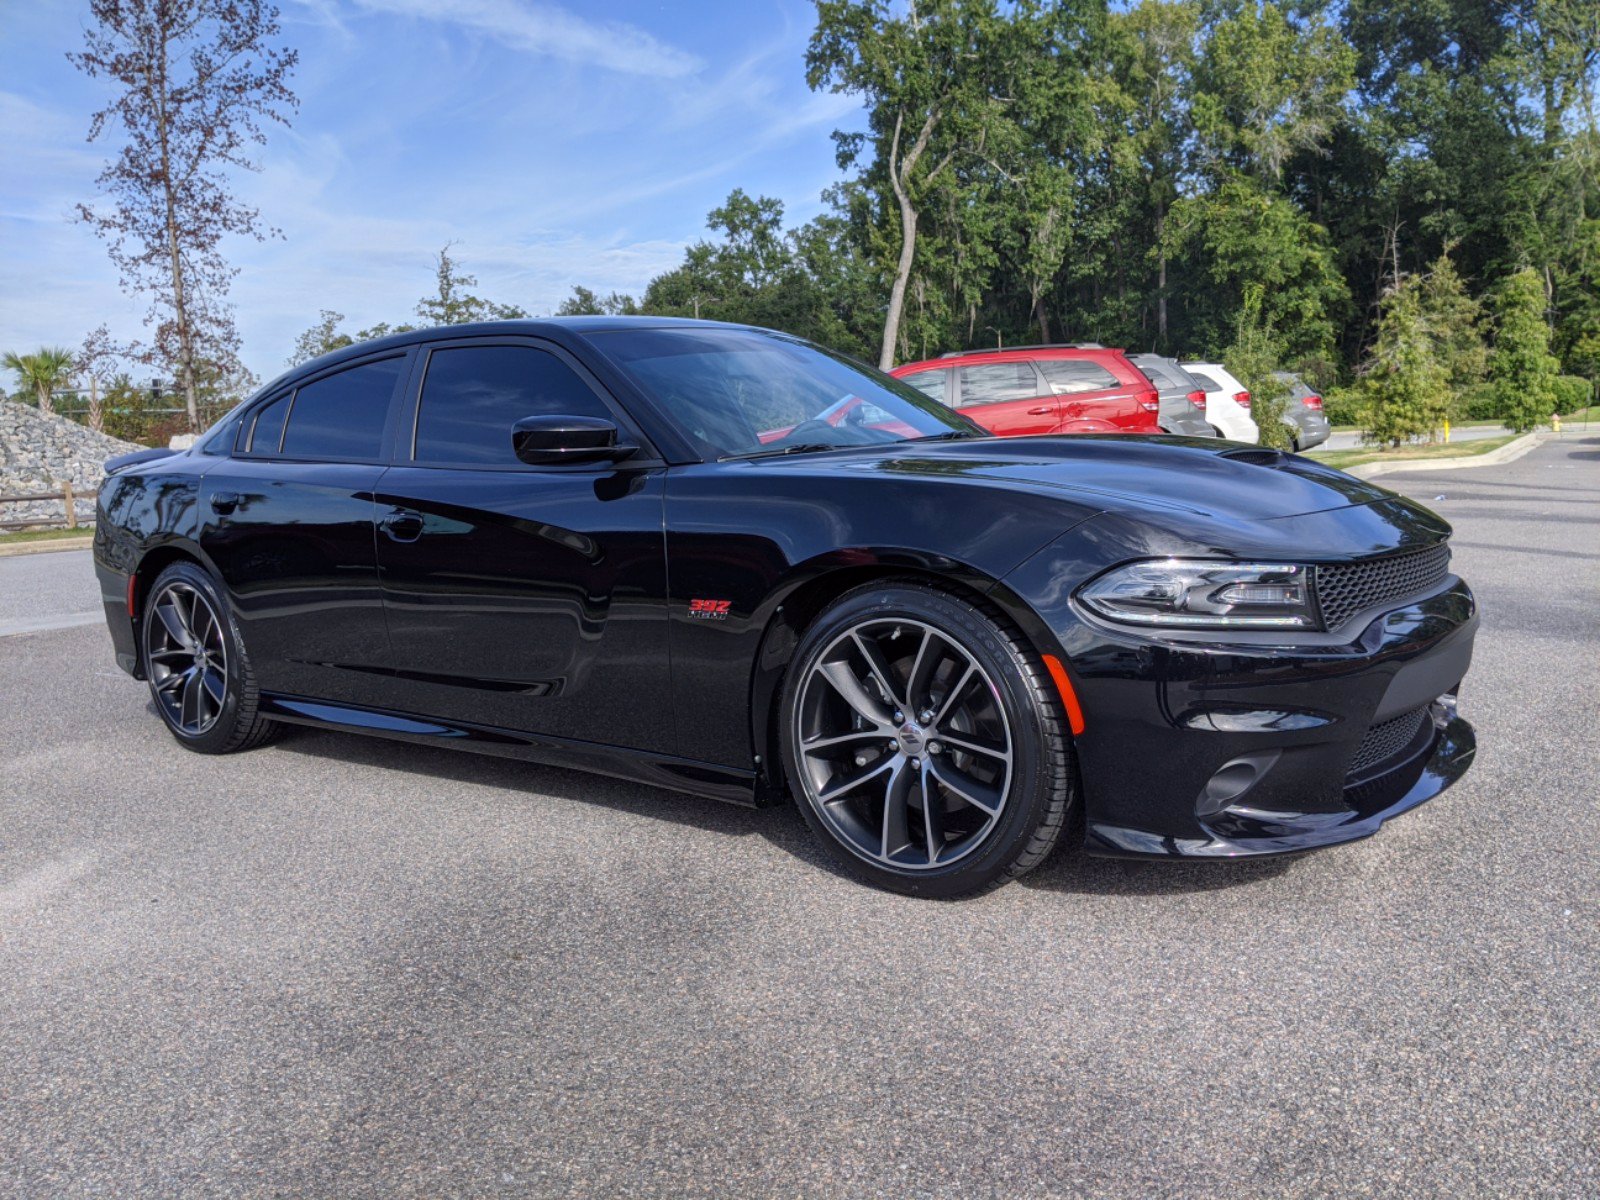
1469	433
340	967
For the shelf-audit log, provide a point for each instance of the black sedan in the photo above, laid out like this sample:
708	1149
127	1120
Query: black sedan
726	561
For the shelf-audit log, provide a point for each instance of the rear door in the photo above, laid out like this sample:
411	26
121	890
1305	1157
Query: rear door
288	522
524	597
1008	398
1090	392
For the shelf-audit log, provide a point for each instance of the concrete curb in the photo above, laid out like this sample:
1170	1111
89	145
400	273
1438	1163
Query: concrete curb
48	546
1511	450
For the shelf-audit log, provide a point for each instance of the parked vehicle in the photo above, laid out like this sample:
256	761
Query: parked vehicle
1227	401
935	641
1183	400
1304	413
1078	388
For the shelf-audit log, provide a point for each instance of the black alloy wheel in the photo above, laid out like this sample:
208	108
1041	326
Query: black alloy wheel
924	743
194	658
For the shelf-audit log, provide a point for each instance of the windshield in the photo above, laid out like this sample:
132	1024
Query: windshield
742	392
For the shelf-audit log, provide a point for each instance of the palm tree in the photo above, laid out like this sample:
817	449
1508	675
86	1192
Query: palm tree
43	371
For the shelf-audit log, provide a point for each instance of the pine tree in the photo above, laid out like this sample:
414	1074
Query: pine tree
1522	369
1254	358
1453	320
1407	388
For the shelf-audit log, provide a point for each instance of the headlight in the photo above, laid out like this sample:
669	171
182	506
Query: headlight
1204	595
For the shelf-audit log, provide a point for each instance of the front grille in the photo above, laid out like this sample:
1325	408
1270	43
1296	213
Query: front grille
1387	739
1344	589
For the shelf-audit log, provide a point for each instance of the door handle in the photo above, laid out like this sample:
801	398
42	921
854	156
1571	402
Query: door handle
401	524
1042	411
224	503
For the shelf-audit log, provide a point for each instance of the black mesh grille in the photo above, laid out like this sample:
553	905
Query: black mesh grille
1387	739
1344	589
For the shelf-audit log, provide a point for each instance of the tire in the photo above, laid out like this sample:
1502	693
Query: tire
994	763
192	649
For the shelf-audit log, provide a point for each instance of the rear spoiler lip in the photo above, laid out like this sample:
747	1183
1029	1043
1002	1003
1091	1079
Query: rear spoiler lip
123	461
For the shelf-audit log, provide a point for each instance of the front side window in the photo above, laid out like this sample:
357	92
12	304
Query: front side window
1069	375
741	392
341	415
473	395
995	383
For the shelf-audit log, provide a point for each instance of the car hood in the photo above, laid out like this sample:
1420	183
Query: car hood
1135	475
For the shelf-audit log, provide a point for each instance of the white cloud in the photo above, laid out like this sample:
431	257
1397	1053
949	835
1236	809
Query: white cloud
547	29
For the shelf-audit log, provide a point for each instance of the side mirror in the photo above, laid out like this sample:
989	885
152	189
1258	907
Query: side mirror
543	441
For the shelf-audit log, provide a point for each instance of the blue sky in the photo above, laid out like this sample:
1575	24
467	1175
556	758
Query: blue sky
557	143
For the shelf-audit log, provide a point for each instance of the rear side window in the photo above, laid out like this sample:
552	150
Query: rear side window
1068	375
929	383
1161	374
1204	380
472	396
994	383
266	435
342	415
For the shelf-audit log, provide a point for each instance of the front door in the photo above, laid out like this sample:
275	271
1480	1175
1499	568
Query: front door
288	522
525	598
1005	398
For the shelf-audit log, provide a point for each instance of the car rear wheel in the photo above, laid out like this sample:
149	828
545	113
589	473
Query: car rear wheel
924	743
195	661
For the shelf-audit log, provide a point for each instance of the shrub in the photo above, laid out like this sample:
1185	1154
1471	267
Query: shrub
1345	406
1480	403
1573	392
1522	368
1406	387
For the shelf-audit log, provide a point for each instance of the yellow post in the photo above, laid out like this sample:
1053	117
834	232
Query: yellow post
1555	422
1447	431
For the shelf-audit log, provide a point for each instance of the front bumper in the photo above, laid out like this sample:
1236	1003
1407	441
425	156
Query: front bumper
1203	748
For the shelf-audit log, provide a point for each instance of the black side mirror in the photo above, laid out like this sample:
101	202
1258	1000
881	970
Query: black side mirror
542	441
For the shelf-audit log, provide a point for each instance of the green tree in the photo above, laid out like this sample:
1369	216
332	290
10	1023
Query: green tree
585	303
322	338
1452	319
1521	368
1255	357
453	304
42	373
1406	388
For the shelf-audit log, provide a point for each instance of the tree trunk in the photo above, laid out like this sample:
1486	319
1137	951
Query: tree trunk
180	306
1042	317
902	274
1161	281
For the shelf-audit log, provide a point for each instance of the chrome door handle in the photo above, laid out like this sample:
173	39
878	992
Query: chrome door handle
401	524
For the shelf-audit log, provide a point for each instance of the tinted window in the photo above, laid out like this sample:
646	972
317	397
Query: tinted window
471	397
342	416
1067	375
929	383
1204	380
739	391
1162	374
268	430
996	382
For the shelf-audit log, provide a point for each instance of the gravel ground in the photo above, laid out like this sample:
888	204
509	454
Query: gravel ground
344	967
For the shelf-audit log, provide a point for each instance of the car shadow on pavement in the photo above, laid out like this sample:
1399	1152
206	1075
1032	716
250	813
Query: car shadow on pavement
1068	869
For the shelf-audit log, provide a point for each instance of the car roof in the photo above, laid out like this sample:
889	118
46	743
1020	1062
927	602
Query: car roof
956	358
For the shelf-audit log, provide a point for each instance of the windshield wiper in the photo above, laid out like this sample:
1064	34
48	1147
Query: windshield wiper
955	435
797	448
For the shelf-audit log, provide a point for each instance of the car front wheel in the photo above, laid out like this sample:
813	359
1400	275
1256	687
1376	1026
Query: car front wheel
195	660
924	743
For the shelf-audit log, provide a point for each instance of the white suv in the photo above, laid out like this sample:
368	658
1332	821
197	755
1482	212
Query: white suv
1227	402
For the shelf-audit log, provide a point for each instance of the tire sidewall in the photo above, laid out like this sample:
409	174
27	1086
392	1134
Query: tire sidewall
224	728
1031	785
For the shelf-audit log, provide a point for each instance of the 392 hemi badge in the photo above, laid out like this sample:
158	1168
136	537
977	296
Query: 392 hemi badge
709	610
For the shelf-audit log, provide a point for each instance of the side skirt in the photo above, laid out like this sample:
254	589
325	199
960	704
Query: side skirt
657	770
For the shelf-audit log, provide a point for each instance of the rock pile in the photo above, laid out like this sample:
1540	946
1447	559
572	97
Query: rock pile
40	451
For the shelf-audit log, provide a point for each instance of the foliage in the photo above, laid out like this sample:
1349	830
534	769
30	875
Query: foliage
453	304
41	373
1344	406
1406	387
322	338
124	405
1573	392
585	303
195	81
1254	357
1522	368
1451	318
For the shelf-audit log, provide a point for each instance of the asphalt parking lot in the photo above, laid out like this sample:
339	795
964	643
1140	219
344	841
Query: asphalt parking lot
346	967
